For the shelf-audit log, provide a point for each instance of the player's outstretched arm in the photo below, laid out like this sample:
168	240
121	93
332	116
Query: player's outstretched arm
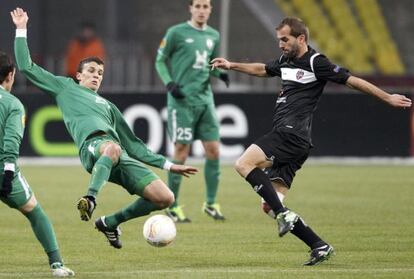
254	69
183	170
395	100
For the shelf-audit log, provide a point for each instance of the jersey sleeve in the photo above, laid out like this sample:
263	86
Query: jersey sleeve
164	52
216	72
326	70
38	76
13	132
273	68
134	146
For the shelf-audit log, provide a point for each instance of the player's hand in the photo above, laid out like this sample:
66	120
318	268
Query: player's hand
174	90
6	187
399	101
220	63
20	18
225	78
183	170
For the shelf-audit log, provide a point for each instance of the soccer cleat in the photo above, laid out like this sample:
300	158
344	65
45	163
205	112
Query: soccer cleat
59	270
213	210
111	234
320	254
86	205
176	213
286	221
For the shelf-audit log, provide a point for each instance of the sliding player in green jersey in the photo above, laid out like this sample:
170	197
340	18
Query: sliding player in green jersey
107	147
14	189
183	65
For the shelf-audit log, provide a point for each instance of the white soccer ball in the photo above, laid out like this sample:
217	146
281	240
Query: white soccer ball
159	230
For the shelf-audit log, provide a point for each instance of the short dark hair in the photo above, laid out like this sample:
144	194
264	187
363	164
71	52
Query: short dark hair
87	60
297	27
6	66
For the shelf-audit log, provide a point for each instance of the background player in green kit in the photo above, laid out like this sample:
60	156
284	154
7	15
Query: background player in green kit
14	189
107	146
183	65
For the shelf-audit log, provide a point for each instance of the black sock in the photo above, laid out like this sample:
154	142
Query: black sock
261	184
307	235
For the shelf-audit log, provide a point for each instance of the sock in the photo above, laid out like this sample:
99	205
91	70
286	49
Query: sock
307	235
140	207
211	176
261	184
174	182
43	231
100	175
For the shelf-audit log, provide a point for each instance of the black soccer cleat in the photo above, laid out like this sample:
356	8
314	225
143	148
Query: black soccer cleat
286	221
111	234
86	205
320	254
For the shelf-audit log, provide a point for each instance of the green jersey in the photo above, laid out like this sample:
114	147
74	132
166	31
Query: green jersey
84	111
188	52
12	120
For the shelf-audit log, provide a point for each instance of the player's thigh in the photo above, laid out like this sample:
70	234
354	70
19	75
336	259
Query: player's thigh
181	124
207	127
132	175
21	192
158	192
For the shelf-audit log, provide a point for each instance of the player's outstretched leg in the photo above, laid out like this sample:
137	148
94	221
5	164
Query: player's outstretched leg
111	234
86	205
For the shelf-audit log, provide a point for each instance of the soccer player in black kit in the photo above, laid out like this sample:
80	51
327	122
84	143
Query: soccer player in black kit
282	151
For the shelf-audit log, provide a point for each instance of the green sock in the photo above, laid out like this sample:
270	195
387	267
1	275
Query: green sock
174	182
140	207
211	175
43	231
100	175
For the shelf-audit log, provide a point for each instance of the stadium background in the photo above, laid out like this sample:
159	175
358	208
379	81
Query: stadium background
368	37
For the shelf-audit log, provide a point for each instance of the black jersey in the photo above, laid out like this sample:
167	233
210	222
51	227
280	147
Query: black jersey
303	80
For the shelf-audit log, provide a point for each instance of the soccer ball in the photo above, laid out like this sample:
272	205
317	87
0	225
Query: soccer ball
159	230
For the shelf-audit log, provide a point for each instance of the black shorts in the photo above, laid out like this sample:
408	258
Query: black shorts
288	153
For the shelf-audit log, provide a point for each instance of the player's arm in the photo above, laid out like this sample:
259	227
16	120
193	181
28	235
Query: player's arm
138	150
40	77
254	69
164	51
395	100
13	134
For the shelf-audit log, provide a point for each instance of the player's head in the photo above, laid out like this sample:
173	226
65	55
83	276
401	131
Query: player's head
90	73
7	71
293	36
200	11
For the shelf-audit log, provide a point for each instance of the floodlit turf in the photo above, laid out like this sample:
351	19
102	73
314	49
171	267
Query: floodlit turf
365	212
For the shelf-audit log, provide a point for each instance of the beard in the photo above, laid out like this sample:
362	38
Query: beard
293	52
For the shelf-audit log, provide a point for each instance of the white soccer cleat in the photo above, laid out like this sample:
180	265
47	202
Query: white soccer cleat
59	270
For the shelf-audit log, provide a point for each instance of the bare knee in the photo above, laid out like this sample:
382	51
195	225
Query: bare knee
29	206
242	168
165	200
111	150
159	193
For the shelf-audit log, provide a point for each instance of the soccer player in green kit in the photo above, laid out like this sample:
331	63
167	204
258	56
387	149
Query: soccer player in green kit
14	189
183	65
107	147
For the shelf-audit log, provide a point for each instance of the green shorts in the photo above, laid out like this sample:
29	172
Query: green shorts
189	123
21	192
129	173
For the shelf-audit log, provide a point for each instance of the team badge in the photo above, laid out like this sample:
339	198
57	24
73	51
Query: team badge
209	43
299	74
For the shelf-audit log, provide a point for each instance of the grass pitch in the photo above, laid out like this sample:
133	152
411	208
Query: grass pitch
365	212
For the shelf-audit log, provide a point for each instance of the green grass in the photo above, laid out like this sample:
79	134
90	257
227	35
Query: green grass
365	212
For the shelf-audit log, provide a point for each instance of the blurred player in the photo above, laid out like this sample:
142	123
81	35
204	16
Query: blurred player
183	66
14	189
304	73
107	146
